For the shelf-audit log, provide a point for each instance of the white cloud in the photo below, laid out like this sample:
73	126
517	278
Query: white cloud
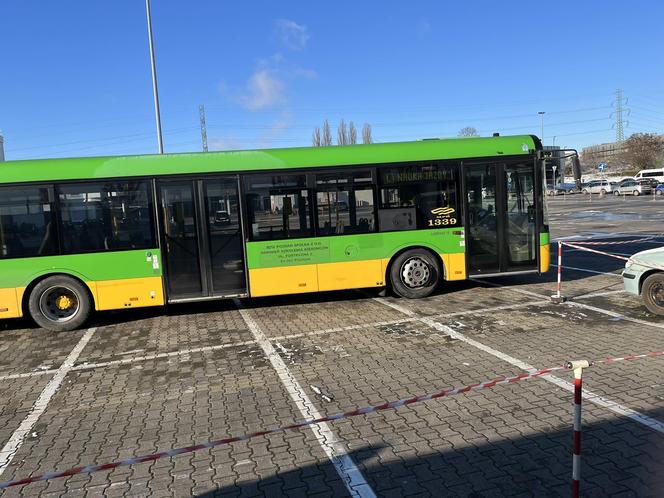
229	143
291	34
264	89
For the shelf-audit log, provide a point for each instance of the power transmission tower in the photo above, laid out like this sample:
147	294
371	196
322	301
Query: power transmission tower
201	113
620	110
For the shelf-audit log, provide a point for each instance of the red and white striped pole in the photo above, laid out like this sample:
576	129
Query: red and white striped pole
577	367
558	297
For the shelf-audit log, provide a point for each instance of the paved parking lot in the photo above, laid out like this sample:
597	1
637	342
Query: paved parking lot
147	381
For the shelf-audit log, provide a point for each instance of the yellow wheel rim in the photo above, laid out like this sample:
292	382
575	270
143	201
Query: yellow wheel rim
64	302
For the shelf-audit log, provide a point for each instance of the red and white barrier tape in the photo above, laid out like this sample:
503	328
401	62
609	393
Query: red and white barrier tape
616	242
630	357
616	256
588	249
89	469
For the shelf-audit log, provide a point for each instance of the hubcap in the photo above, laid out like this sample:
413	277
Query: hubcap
58	304
657	294
415	272
64	302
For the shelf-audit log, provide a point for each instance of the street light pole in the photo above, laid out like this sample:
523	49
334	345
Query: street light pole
541	113
160	141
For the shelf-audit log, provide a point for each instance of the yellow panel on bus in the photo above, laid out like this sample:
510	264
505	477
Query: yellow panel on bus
9	304
283	280
129	293
545	258
350	275
455	265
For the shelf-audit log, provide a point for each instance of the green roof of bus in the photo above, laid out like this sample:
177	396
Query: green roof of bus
257	160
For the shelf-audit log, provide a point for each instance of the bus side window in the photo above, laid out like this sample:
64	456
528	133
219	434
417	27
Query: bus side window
278	207
418	196
106	216
345	203
26	222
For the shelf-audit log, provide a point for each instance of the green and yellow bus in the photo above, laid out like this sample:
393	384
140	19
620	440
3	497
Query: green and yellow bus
105	233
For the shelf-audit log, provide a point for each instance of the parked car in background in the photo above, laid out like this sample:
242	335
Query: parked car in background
649	181
597	187
633	187
644	276
656	174
561	188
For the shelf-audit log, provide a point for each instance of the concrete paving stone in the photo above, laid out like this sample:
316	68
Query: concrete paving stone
510	441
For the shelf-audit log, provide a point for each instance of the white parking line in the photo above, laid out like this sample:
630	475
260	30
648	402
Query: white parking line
600	294
27	374
588	395
156	356
16	440
406	320
343	463
576	303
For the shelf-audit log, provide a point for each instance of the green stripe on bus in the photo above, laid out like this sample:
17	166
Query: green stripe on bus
89	267
341	248
544	238
261	160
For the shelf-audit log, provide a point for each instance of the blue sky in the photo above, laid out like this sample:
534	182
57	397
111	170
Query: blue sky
75	76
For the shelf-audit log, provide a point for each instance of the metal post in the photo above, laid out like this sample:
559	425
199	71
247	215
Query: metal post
541	113
577	367
558	297
160	141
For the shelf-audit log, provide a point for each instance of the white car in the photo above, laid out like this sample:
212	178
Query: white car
598	187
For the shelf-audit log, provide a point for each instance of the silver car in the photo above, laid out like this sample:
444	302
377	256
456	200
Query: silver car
633	187
598	187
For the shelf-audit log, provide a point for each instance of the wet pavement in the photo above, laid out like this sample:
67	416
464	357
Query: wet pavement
150	380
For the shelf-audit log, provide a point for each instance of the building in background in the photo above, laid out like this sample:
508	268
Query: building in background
609	153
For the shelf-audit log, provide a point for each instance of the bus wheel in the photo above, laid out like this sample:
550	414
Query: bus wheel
653	293
59	303
415	273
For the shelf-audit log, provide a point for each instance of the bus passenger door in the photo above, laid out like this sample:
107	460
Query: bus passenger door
180	239
521	235
202	238
501	218
483	232
225	246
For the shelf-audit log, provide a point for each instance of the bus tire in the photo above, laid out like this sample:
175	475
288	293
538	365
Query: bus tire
60	303
652	293
415	273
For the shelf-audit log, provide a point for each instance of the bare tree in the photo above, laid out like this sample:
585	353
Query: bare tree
468	131
326	139
315	137
366	134
643	150
352	133
342	133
